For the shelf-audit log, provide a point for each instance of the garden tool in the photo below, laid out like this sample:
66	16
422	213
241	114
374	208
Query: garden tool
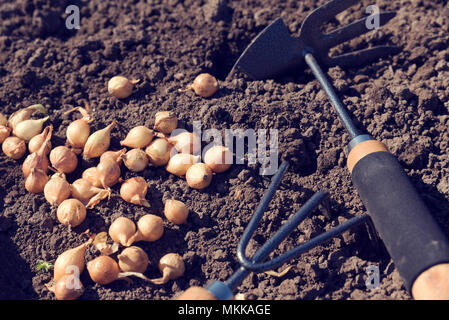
412	237
224	290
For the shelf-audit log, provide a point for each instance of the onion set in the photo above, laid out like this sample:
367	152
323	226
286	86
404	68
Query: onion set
199	176
57	189
218	158
36	181
204	85
113	155
79	130
98	142
91	175
14	147
37	141
69	259
133	259
104	270
63	159
165	122
27	129
186	142
122	230
89	195
149	228
172	267
4	133
176	211
24	114
138	137
71	212
108	173
134	191
158	152
180	163
39	159
135	160
120	87
68	287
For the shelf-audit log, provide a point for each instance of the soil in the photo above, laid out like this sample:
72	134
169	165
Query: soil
402	100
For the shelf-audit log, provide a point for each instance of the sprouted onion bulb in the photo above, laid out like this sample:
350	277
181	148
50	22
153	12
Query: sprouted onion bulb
63	159
27	129
159	152
218	158
138	137
176	211
36	181
149	228
79	130
165	122
120	87
199	176
71	212
122	230
14	147
69	260
133	259
172	267
57	189
180	163
24	114
98	142
39	159
186	142
135	160
4	133
204	85
134	190
36	142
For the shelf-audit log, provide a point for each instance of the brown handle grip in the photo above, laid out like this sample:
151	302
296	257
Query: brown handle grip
196	293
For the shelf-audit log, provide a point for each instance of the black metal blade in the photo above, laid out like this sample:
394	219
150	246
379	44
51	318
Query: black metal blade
362	57
273	52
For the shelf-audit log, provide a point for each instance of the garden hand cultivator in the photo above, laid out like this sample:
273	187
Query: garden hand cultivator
417	245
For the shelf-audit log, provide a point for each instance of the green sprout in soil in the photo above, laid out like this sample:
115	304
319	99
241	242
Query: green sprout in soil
44	265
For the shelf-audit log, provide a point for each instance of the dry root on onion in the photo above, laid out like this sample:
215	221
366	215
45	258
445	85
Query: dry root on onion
135	160
79	130
165	122
218	158
120	87
158	152
138	137
14	147
57	189
172	267
199	176
149	228
104	270
186	142
122	230
98	142
4	133
71	212
134	191
63	159
176	211
89	195
180	163
133	259
204	85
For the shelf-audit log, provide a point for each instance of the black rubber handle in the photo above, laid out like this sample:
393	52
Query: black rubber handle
408	230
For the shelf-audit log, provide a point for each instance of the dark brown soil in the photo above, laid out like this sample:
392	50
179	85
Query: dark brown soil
402	100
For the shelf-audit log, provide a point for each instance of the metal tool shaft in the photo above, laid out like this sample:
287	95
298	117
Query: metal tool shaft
336	103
